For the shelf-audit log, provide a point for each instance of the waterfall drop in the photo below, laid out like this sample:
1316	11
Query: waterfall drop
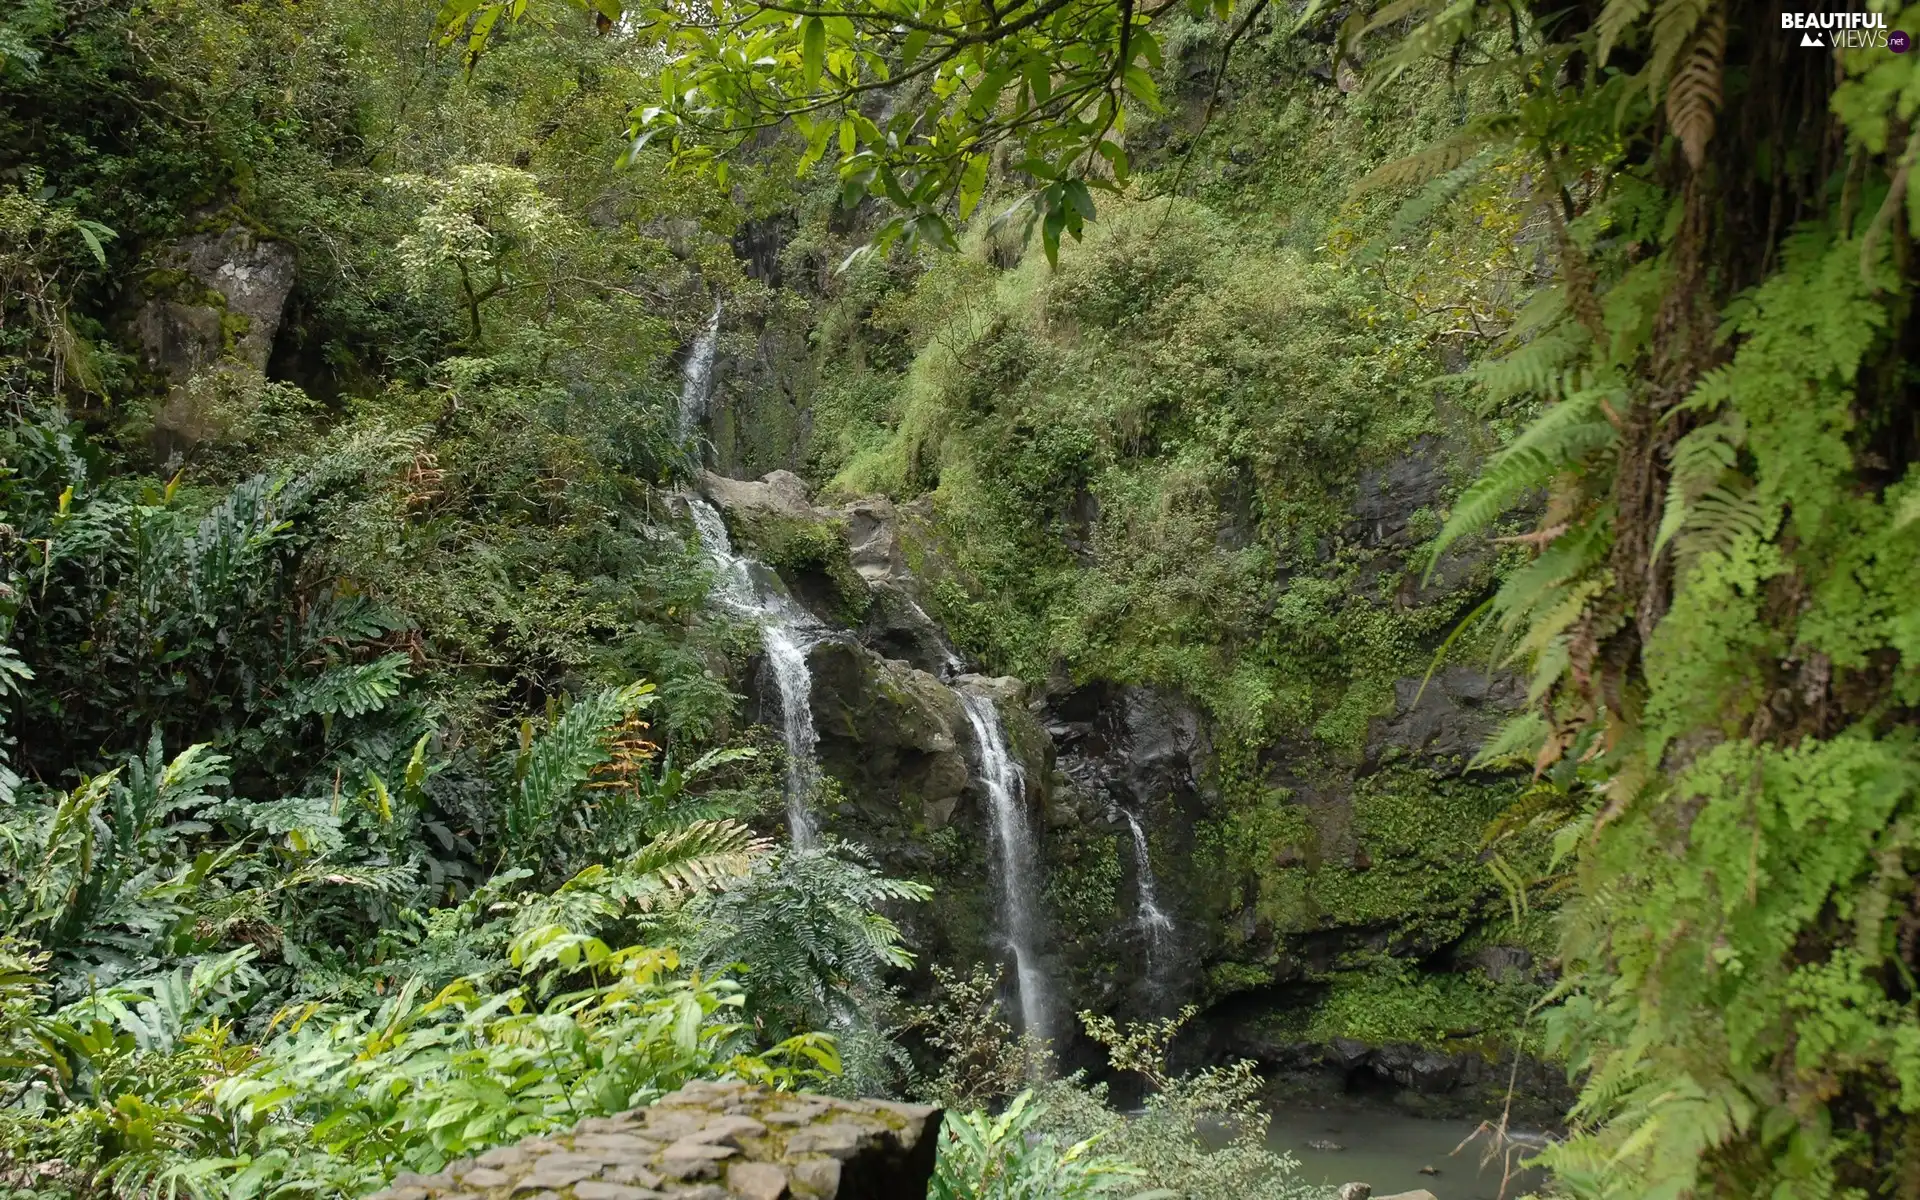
788	632
696	375
787	657
1016	860
1155	923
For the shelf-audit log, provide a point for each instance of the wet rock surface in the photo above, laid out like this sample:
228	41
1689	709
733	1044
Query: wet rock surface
1447	721
707	1141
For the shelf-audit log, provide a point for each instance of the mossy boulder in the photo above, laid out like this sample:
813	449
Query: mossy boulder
771	520
708	1141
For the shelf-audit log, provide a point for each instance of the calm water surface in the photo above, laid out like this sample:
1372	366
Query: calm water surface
1387	1149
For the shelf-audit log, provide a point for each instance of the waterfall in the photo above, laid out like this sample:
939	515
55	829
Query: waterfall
696	375
1154	921
1016	859
951	664
788	632
787	655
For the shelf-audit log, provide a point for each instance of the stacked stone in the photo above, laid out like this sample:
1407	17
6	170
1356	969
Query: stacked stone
708	1141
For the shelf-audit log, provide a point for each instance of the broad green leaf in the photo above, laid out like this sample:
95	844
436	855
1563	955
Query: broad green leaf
973	183
813	50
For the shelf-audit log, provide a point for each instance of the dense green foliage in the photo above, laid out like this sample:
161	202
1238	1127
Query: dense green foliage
339	832
328	796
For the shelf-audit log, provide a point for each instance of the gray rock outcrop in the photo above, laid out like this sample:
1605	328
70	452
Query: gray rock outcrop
708	1141
223	298
216	305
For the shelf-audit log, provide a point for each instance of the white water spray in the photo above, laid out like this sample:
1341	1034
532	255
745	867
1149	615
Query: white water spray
1154	921
788	632
787	656
696	375
1015	857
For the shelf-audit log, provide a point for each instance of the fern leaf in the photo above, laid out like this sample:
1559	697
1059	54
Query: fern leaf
1517	740
1693	99
1440	158
1699	460
1722	517
1430	199
1533	368
1563	435
1615	19
554	766
349	690
1674	23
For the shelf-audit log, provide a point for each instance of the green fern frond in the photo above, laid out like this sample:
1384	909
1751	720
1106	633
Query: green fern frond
1517	741
1562	436
1442	157
1722	517
1615	19
551	769
1436	195
349	690
1536	367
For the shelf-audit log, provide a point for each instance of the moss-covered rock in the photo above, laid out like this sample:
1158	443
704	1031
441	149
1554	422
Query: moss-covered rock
708	1141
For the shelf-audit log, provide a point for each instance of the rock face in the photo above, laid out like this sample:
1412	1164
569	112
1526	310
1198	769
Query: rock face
708	1141
1448	721
222	297
216	305
1142	752
894	736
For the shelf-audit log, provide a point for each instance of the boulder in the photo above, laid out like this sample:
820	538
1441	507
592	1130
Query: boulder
214	307
780	492
894	736
709	1141
217	296
873	535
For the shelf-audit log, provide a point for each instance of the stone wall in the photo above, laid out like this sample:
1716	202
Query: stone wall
708	1141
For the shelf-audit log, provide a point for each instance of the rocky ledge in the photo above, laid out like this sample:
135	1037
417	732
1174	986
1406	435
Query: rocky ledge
708	1141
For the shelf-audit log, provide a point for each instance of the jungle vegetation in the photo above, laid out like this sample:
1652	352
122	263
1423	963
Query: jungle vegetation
372	784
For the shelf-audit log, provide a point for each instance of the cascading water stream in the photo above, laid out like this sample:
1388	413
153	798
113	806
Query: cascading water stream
786	630
696	375
1154	921
1015	857
787	656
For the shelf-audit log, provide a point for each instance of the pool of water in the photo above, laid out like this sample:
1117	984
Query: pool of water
1387	1149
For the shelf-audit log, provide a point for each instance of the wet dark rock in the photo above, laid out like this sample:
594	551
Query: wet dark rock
1448	721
